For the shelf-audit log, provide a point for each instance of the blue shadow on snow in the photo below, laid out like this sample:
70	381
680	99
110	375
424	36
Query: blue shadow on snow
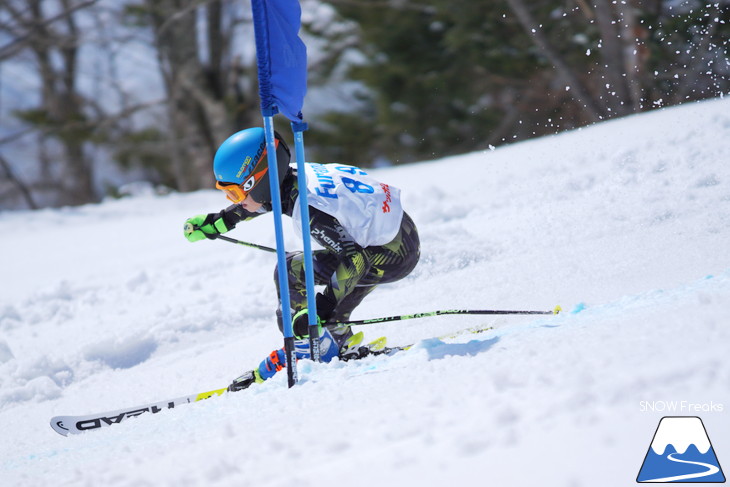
437	349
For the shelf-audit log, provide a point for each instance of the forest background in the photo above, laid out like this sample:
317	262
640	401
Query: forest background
97	94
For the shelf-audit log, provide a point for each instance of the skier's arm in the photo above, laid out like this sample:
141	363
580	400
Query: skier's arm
200	227
236	213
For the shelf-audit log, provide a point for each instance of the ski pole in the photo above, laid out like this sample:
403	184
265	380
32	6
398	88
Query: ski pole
233	240
247	244
386	319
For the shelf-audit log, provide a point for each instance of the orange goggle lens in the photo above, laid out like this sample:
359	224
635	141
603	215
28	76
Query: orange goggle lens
234	192
238	192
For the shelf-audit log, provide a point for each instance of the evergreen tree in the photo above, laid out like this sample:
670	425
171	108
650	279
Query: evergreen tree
440	77
449	76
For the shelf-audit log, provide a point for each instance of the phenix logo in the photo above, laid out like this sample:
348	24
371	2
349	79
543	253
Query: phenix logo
319	234
681	452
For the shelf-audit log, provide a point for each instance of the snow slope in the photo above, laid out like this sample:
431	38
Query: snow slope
626	224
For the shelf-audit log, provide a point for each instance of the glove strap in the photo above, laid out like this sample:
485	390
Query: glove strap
220	225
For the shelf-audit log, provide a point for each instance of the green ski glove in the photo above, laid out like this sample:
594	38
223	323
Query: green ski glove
200	227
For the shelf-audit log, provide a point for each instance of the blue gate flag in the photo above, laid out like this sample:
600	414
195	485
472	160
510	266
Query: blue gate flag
281	57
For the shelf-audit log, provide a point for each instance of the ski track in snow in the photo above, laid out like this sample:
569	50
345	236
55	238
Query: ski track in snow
625	224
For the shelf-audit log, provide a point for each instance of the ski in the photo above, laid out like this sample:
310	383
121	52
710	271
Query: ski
467	331
65	425
474	330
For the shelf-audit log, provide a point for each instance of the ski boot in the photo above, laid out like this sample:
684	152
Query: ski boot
245	381
352	350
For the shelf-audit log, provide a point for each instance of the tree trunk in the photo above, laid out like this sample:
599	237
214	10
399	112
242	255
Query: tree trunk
61	102
636	54
197	113
614	62
18	184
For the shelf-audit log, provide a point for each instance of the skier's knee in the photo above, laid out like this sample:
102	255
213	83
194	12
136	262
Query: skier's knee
294	268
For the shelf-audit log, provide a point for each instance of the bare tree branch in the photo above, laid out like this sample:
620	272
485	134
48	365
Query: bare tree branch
13	48
104	122
22	188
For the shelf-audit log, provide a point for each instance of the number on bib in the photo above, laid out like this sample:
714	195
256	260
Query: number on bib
357	186
351	170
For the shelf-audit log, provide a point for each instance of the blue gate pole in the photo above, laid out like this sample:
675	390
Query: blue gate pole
298	128
291	360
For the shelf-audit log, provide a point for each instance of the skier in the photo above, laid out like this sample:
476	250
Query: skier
367	237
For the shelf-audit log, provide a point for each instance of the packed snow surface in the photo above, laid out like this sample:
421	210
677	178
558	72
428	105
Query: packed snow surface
625	224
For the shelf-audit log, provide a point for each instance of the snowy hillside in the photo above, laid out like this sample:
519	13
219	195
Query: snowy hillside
625	224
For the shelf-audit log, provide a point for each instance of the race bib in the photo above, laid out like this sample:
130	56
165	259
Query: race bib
369	210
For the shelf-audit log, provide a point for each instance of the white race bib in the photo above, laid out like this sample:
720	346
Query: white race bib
369	210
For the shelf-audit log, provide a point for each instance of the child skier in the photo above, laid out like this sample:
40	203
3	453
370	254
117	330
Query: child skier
367	237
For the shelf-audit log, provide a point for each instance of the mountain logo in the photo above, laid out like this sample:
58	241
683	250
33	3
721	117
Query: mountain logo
681	452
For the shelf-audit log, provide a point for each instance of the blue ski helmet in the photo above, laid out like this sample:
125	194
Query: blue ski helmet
241	167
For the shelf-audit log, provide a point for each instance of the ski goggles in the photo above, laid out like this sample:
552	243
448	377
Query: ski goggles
238	192
234	192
